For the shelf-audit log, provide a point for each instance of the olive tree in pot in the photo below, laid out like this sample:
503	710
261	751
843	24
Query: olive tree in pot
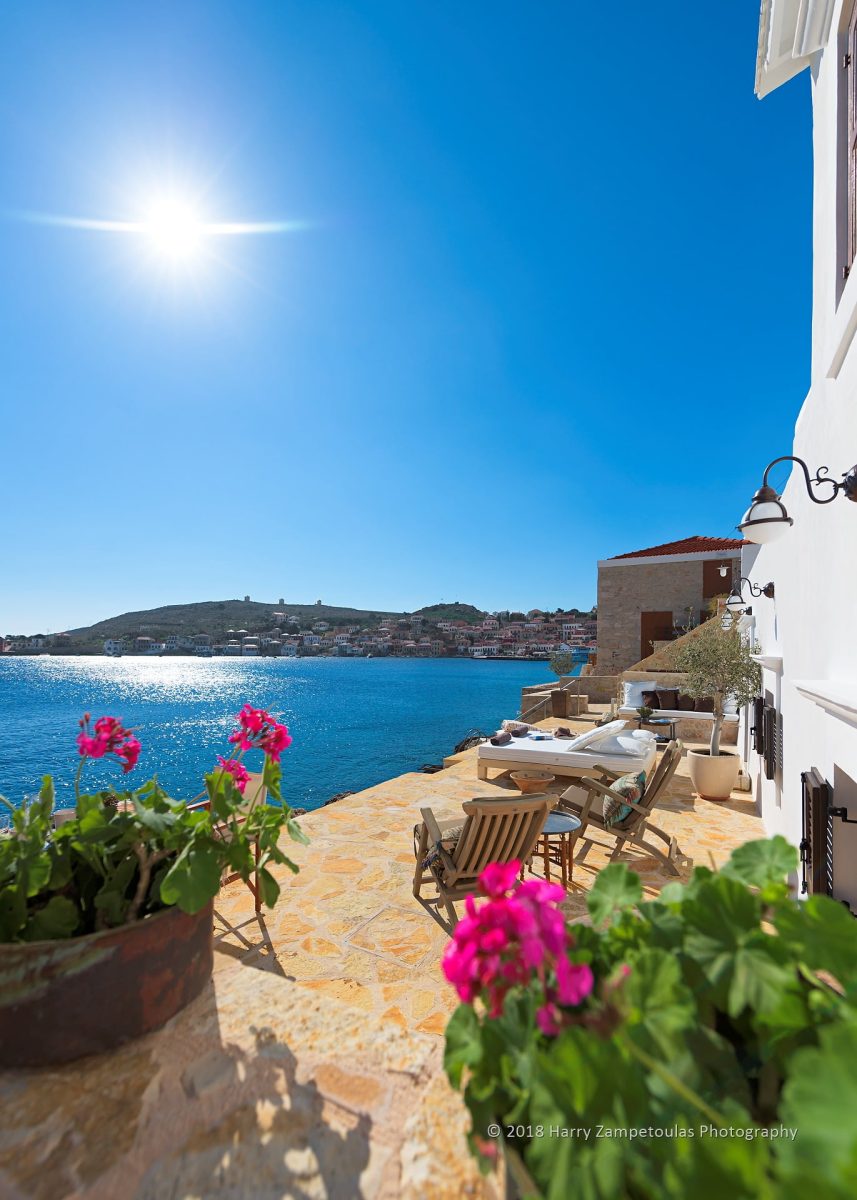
718	664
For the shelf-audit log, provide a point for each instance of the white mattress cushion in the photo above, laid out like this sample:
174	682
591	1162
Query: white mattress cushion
592	735
633	691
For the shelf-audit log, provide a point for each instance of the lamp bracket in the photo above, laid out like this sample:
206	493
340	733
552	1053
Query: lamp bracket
821	478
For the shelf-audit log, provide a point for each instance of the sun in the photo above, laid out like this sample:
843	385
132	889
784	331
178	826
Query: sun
174	229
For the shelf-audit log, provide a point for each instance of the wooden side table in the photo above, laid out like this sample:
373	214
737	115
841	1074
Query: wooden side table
559	827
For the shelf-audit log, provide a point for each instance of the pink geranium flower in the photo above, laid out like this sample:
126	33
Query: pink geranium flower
110	737
257	730
129	752
274	741
236	770
516	937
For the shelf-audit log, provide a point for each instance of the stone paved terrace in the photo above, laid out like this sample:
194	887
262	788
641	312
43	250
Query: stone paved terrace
312	1066
348	926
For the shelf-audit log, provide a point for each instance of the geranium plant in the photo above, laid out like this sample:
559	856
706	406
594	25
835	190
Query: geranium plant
699	1044
131	852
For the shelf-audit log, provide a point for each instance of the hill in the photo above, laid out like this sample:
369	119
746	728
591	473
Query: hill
215	617
451	612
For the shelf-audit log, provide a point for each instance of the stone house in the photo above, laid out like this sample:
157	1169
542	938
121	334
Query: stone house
645	596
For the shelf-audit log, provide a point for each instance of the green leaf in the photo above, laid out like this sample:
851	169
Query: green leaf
295	832
58	919
463	1043
46	793
156	822
269	887
718	917
272	774
13	912
819	1100
822	934
615	889
659	999
759	981
193	879
763	862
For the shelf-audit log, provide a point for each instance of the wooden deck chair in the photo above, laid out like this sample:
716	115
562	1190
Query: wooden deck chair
254	793
636	825
494	830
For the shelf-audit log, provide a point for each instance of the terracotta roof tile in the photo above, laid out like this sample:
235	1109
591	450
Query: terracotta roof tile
691	545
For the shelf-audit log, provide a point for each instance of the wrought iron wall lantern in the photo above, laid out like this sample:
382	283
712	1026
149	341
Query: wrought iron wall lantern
767	517
735	602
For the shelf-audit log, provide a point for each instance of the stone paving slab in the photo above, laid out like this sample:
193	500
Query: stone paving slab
258	1090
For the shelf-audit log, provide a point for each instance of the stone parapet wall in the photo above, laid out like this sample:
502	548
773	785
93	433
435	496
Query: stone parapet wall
601	689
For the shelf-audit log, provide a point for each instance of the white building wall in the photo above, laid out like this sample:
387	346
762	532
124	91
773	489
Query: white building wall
811	624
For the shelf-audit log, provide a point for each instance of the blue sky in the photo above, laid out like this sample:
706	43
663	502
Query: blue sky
551	302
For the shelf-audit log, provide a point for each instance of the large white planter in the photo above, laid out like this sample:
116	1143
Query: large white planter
713	778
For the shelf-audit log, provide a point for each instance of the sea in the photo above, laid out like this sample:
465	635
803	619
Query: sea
354	721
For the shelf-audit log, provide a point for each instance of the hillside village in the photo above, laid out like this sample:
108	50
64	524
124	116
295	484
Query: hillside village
442	630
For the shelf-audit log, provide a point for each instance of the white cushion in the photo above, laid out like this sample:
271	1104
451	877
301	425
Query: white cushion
633	693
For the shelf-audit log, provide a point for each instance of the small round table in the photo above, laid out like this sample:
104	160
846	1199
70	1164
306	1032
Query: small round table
561	826
669	722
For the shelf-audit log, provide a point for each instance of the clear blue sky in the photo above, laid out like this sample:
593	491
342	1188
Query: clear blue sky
552	302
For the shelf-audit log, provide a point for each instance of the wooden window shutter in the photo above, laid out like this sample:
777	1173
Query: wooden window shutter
757	729
769	736
815	848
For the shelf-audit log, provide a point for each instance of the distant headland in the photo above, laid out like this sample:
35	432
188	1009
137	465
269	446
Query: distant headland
250	628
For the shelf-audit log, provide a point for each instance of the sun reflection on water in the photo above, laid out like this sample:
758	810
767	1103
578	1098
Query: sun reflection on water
354	721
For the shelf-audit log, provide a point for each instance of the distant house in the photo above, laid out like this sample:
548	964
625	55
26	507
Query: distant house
644	595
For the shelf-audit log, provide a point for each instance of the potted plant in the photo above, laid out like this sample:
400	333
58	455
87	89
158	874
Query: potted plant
698	1044
718	664
563	662
106	919
645	712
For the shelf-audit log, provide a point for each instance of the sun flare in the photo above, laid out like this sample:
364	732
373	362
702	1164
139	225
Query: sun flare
174	229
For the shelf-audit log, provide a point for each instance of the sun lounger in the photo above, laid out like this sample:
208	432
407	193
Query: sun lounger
611	746
586	803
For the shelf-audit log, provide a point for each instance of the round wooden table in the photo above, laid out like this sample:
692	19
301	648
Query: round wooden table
559	826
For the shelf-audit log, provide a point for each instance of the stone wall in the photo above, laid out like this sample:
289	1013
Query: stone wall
625	590
600	690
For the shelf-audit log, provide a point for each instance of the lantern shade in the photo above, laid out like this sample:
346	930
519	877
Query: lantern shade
735	603
766	519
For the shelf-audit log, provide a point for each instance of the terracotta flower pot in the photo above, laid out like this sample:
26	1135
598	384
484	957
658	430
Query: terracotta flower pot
61	1000
713	777
528	782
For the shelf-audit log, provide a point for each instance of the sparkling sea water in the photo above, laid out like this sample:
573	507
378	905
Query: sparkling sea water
355	722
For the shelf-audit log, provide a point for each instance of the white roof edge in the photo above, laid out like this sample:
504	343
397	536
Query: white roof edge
694	556
790	33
